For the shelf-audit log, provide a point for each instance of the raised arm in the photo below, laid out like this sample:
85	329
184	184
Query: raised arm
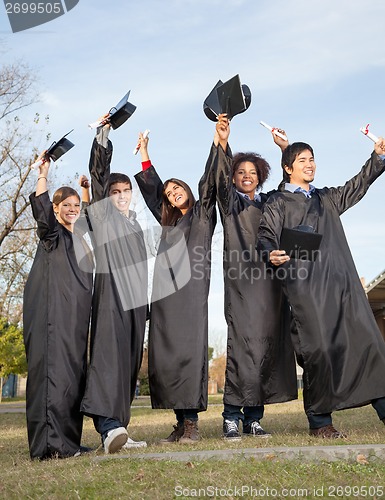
344	197
41	205
85	185
224	172
42	178
83	224
281	143
99	164
149	182
207	191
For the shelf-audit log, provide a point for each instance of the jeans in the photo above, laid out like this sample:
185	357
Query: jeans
249	414
182	415
317	421
104	424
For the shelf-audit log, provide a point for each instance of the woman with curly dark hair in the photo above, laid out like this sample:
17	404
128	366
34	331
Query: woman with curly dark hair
260	360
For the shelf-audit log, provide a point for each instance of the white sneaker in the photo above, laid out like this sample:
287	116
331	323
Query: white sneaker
130	443
115	439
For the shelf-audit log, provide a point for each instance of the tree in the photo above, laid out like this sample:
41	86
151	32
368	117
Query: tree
217	371
17	153
143	373
12	353
17	88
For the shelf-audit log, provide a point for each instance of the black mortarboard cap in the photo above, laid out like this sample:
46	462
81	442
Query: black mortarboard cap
230	97
211	106
300	242
59	148
121	112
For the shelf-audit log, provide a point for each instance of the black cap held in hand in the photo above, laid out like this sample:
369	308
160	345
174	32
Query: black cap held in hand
59	148
230	97
120	113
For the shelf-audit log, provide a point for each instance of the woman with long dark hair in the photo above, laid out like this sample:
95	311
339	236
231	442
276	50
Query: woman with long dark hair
178	336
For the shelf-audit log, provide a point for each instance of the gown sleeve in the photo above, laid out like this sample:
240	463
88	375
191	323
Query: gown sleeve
151	187
270	228
206	187
345	197
47	225
99	168
224	181
83	224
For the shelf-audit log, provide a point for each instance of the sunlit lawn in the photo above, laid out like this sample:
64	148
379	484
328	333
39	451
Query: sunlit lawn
87	478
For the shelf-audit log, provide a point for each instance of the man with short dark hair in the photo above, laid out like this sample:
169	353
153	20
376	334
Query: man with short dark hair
119	306
336	338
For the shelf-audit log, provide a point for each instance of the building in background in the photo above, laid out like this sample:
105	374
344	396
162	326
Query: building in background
375	291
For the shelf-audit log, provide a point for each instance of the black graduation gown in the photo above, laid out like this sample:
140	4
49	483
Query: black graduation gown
119	307
260	364
336	335
178	335
56	312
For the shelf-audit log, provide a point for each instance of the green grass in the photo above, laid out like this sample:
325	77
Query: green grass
85	478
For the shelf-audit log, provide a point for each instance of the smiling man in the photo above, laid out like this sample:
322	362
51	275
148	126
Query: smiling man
119	307
121	193
334	332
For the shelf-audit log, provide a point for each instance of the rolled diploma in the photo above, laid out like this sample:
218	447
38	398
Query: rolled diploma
37	164
145	134
366	132
96	124
274	130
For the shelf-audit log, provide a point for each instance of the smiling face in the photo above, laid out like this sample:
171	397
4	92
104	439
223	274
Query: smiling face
302	171
177	196
120	194
246	179
67	211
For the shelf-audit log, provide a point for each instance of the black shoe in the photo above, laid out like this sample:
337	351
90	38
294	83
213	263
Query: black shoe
327	432
254	429
191	432
176	434
83	450
230	430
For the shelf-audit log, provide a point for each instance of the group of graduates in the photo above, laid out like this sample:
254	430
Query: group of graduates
315	312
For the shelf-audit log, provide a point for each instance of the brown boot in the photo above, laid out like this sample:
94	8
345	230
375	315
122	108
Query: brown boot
176	434
327	432
191	433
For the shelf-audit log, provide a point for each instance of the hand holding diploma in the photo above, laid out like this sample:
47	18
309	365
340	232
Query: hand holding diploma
100	122
365	131
144	136
274	130
379	142
43	158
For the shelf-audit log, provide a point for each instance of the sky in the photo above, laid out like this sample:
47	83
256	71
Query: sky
315	69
